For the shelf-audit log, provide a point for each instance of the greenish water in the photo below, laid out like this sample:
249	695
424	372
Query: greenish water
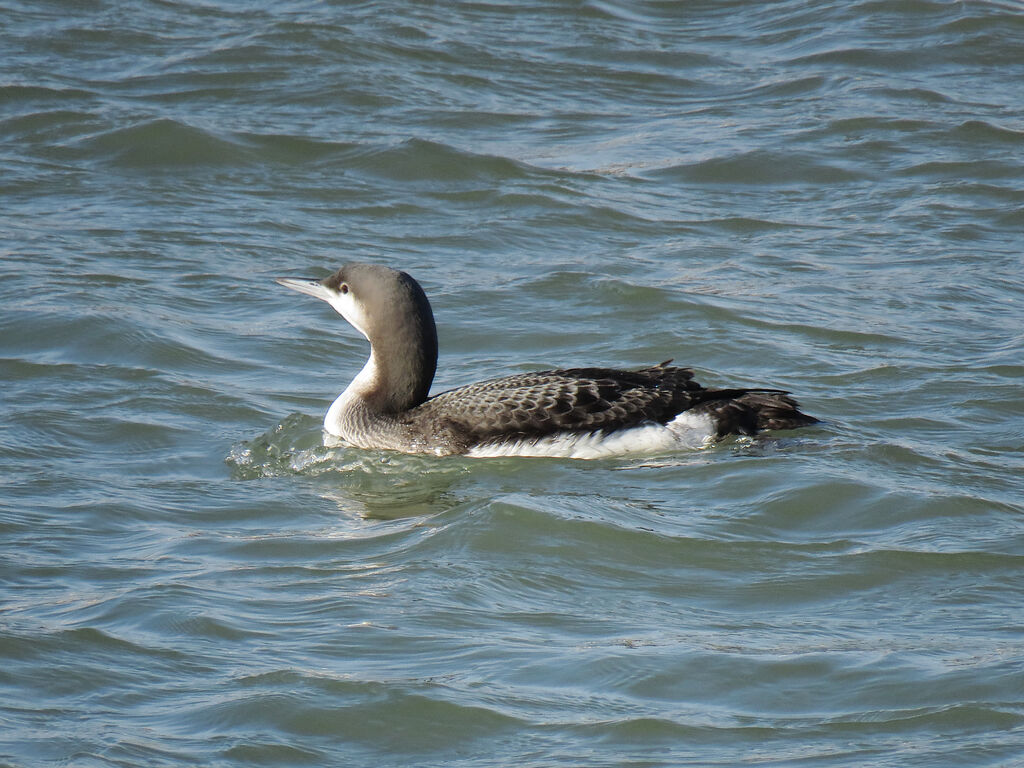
821	197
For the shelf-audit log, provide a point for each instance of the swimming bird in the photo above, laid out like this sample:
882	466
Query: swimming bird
572	413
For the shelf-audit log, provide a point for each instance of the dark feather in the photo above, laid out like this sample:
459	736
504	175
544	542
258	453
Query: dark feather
533	405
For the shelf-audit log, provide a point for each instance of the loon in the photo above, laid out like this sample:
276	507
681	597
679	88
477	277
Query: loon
581	413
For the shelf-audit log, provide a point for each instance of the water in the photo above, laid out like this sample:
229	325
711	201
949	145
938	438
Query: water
823	197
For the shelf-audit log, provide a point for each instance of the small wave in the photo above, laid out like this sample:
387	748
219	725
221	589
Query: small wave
422	160
858	125
873	59
10	94
979	130
168	143
914	94
377	484
293	447
761	168
788	87
49	126
957	170
999	18
165	143
291	150
409	718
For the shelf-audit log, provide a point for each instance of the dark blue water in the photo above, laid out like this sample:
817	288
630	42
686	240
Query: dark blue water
821	197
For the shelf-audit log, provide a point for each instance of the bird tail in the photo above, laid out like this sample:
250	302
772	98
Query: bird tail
748	411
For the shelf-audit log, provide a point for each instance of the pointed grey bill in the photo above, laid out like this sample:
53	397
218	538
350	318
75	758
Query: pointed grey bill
310	287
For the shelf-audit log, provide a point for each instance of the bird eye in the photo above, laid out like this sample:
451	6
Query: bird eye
343	288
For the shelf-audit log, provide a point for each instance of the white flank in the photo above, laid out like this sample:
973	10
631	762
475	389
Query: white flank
685	431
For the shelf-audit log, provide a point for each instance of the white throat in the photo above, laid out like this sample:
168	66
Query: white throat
355	393
347	306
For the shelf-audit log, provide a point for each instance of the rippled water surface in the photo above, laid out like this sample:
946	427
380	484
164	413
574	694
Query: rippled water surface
821	197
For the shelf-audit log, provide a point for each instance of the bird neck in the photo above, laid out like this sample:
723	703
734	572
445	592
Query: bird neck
400	370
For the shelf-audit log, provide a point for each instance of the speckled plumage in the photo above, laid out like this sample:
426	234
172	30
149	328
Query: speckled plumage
535	404
386	405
